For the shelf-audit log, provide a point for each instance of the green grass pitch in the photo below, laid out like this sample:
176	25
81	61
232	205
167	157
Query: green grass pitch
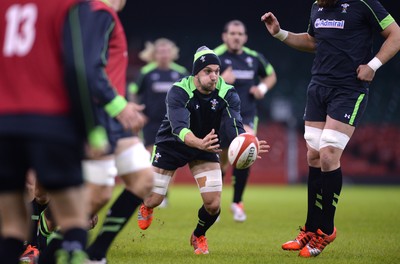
367	221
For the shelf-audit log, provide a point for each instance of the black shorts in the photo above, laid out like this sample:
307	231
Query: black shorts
56	162
249	120
344	105
173	155
149	133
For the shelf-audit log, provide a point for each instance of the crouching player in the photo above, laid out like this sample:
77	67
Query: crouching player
196	106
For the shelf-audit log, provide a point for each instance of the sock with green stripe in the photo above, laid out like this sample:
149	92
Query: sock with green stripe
44	229
331	188
73	246
10	250
37	209
240	181
205	221
65	248
53	244
118	215
314	199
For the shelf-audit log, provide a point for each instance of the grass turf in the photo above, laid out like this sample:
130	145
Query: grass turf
367	221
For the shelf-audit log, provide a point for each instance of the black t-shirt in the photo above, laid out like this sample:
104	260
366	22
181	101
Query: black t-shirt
248	67
343	37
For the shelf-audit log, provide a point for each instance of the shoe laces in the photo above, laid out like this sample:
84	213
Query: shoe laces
303	235
238	208
201	242
145	212
318	241
31	250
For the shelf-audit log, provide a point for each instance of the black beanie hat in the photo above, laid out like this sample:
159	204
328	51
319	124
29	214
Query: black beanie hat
203	57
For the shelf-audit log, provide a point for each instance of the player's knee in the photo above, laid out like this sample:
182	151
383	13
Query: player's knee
141	183
100	198
100	172
333	138
209	181
212	206
161	183
133	159
42	198
313	157
312	135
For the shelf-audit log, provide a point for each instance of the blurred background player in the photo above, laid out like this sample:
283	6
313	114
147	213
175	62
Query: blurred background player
38	198
196	106
252	76
45	115
153	83
340	34
128	157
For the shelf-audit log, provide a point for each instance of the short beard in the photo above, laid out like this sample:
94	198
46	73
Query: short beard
205	88
326	3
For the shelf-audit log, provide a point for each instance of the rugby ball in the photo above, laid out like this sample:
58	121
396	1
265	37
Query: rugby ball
243	151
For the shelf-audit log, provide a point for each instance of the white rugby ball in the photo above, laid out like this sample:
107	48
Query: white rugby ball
243	151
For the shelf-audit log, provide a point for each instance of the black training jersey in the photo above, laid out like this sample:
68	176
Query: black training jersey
247	67
188	110
343	35
152	86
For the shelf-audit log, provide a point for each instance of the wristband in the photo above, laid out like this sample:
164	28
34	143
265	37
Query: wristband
281	35
263	88
375	63
97	138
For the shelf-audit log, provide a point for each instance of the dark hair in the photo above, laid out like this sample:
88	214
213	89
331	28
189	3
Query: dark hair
235	23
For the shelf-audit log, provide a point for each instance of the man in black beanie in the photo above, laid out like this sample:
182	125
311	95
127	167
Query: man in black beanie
196	106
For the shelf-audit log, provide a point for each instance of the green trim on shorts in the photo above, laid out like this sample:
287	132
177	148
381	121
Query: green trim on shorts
356	107
43	228
153	153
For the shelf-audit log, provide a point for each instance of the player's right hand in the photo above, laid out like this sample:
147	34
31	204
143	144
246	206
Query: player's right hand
210	142
271	23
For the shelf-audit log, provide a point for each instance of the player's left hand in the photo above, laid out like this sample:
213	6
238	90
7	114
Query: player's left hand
263	147
365	73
